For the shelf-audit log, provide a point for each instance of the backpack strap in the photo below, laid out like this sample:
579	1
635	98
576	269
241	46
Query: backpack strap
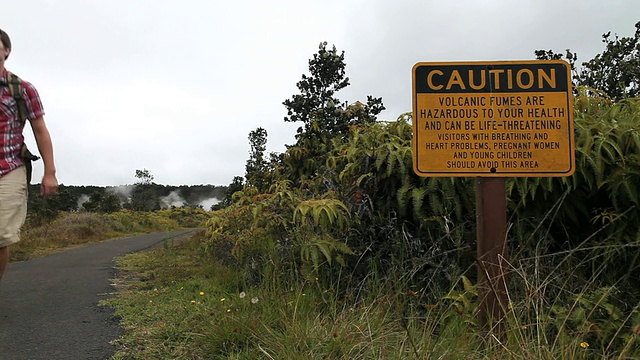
15	88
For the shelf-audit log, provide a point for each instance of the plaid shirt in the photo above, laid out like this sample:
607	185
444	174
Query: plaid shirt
11	127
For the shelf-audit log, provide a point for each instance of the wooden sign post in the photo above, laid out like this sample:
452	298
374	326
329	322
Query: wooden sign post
491	225
493	120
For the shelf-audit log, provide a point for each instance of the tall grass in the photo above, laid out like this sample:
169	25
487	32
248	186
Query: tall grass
77	228
365	260
181	304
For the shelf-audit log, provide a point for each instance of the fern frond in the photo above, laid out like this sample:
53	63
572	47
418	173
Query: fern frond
403	199
417	196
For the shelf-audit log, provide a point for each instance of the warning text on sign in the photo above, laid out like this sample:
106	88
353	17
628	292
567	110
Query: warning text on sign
493	119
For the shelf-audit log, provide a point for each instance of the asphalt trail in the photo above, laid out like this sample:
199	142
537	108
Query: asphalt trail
49	306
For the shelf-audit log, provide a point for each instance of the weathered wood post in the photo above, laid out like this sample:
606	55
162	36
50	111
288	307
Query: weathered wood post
491	222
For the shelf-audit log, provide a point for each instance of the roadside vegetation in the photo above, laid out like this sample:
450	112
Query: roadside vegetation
334	279
335	249
42	236
177	304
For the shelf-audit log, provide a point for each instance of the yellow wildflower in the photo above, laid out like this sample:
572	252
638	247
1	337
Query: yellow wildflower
201	293
193	302
222	300
584	344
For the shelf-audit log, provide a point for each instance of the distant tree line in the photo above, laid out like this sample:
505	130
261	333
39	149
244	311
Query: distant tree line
143	195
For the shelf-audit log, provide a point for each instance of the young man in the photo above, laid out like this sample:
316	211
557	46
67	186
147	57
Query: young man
13	178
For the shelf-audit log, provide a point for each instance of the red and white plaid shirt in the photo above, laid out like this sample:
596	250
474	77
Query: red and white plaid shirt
11	126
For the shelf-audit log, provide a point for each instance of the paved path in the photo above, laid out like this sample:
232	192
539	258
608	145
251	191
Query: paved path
49	306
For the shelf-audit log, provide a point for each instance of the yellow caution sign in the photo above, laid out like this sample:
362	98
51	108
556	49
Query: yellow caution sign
494	119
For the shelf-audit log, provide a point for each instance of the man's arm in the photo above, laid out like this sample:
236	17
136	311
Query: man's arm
49	185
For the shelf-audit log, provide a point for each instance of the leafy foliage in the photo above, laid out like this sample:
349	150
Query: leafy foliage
236	185
422	229
595	316
316	101
256	168
616	71
187	217
346	217
99	202
142	198
314	220
278	233
418	221
323	115
594	206
71	198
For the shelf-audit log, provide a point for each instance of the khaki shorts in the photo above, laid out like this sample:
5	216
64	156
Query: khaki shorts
13	205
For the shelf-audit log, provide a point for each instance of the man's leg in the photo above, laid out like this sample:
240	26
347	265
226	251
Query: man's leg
13	211
4	259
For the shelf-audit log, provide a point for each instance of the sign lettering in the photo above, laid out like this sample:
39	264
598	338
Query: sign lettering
493	119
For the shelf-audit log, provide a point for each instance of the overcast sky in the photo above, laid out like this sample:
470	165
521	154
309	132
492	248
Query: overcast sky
175	87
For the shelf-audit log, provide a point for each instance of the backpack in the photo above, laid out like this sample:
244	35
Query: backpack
15	89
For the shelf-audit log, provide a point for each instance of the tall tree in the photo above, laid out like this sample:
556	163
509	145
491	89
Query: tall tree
323	116
316	102
256	168
63	200
99	202
143	197
317	107
615	71
144	177
236	185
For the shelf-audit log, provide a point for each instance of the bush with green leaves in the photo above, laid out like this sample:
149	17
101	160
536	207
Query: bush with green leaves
386	219
596	207
186	217
281	236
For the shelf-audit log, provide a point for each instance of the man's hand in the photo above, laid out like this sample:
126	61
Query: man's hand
49	185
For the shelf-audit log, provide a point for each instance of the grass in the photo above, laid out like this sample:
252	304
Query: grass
177	303
70	230
65	232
